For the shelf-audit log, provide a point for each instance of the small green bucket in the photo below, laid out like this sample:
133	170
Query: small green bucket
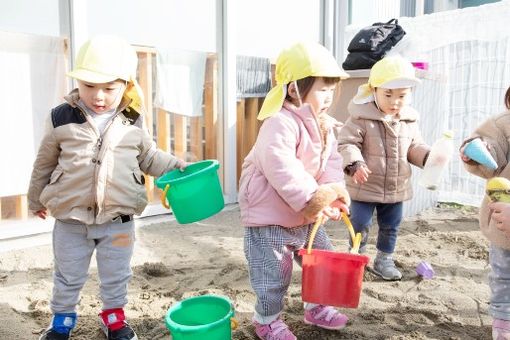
202	317
193	194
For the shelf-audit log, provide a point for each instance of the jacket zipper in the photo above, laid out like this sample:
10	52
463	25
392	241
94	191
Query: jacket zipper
98	160
323	147
99	144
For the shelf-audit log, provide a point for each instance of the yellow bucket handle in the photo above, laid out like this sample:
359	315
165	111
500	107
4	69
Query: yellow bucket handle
163	197
233	323
316	226
348	223
356	244
356	238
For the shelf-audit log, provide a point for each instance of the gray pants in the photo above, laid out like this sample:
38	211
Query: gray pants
270	252
73	245
499	282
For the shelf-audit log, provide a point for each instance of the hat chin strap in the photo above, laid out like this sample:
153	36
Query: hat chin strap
120	93
298	94
375	101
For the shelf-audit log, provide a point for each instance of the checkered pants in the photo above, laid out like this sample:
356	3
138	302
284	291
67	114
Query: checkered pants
269	251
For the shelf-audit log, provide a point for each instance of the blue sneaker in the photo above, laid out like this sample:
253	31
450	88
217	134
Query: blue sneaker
61	326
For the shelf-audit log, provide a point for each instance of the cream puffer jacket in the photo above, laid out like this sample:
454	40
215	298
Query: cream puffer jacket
495	131
386	147
81	175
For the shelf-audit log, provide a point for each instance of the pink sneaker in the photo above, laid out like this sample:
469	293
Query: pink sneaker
325	317
276	330
500	329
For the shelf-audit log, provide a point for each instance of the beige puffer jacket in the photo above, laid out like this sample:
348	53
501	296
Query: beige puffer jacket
81	175
386	148
495	131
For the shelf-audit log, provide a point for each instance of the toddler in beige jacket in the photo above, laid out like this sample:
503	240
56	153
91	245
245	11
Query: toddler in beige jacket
378	143
495	216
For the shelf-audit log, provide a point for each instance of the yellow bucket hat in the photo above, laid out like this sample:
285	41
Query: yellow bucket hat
106	58
388	73
296	62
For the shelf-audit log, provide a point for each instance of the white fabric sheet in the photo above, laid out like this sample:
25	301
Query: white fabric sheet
33	81
180	81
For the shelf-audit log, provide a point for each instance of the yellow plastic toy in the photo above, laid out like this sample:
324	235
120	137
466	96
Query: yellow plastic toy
498	189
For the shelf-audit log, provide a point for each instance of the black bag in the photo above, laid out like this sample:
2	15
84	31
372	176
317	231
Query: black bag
371	44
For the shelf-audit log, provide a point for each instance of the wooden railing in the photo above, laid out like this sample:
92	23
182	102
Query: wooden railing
247	128
191	138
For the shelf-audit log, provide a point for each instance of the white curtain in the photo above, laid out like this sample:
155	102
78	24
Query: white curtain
33	81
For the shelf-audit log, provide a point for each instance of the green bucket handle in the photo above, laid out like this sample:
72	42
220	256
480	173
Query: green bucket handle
164	201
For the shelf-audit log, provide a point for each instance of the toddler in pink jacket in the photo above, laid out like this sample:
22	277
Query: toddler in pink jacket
292	176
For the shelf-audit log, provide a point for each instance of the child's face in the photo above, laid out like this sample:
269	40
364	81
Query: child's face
320	96
391	101
101	97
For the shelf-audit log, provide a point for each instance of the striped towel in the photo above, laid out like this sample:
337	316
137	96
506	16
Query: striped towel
253	76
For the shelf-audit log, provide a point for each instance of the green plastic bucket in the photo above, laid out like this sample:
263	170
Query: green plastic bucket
201	317
193	194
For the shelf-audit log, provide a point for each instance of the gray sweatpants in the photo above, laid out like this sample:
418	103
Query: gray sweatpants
73	245
499	282
270	252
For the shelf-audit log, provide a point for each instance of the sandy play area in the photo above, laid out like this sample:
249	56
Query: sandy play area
173	261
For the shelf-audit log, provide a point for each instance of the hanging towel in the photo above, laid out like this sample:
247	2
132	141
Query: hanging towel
180	81
253	76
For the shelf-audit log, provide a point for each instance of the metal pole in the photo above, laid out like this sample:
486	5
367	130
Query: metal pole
225	42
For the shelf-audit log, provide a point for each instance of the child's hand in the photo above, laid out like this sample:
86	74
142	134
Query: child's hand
463	157
361	175
42	213
334	210
501	215
181	165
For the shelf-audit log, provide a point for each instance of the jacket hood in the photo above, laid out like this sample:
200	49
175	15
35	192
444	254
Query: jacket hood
371	112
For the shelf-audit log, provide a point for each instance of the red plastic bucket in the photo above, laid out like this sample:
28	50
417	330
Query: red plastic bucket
331	278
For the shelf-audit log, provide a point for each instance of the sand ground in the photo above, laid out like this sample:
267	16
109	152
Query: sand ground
173	262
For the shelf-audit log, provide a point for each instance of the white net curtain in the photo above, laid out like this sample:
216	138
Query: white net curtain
468	52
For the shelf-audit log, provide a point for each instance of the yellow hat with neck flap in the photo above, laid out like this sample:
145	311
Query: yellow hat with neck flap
296	62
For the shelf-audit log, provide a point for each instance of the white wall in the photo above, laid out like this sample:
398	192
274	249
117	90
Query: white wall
265	26
366	12
181	24
29	16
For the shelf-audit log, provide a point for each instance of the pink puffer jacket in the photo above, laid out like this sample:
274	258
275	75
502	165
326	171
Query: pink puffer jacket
282	176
